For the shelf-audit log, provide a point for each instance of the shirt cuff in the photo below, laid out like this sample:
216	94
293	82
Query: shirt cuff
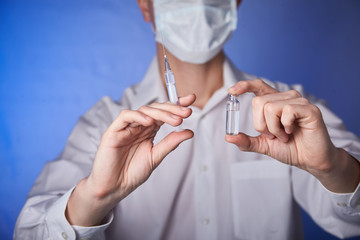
95	232
347	203
60	228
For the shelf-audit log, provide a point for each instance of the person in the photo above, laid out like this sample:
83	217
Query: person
111	180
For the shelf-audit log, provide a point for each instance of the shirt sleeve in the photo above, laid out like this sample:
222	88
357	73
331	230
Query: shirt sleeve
60	228
43	215
347	205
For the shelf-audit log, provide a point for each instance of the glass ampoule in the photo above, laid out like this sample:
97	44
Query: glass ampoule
232	115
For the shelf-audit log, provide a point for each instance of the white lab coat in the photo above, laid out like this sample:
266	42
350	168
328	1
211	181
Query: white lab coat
205	189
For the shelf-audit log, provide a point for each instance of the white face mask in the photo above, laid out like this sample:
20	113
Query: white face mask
194	31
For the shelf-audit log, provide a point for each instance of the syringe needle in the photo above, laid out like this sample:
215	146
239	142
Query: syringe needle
162	42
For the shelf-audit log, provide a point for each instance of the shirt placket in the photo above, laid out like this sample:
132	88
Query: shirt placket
206	227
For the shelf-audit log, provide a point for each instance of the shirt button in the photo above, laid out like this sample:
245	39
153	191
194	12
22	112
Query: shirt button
205	221
204	168
64	235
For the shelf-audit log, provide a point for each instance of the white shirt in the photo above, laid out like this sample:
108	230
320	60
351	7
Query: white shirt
205	189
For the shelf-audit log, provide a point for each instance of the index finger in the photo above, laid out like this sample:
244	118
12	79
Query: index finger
256	86
187	100
127	117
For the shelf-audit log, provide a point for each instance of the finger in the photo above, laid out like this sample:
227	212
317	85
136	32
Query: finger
137	133
247	143
161	116
178	110
305	116
256	86
168	144
181	110
127	117
273	112
187	100
258	104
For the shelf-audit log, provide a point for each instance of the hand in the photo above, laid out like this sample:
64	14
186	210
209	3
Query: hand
292	131
126	157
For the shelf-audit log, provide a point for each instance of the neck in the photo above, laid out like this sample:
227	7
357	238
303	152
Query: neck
201	79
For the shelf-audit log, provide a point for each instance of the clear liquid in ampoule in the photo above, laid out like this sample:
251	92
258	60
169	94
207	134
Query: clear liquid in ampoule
232	116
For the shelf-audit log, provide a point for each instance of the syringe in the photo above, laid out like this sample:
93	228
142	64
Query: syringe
170	82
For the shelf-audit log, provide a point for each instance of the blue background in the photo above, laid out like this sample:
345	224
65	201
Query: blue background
58	57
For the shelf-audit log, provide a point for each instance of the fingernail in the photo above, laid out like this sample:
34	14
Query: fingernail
232	89
184	108
287	130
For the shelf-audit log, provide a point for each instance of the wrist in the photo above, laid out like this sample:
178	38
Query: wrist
85	207
342	174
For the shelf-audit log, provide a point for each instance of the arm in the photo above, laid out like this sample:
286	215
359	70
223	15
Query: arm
125	159
43	216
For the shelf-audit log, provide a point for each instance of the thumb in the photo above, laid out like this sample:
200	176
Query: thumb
168	144
245	142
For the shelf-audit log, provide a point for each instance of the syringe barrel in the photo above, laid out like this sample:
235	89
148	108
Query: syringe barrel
171	87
